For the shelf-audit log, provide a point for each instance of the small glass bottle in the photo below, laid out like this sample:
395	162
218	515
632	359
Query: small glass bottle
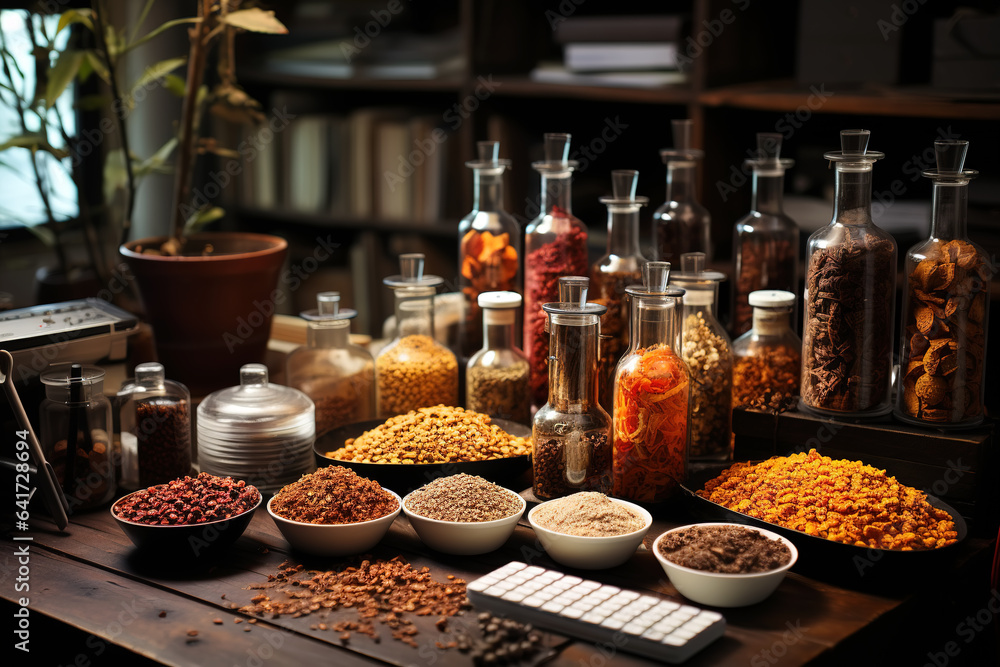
571	433
336	374
155	428
681	224
75	434
414	370
850	296
767	360
489	243
708	355
620	267
497	375
555	244
765	240
652	393
946	310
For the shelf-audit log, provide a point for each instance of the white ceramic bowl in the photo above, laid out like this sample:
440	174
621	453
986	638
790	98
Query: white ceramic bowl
590	553
724	590
465	538
335	539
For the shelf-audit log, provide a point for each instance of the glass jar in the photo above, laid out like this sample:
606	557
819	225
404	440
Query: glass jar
767	360
652	392
708	355
414	370
489	243
850	296
336	374
571	433
620	267
765	240
946	310
555	244
497	375
75	434
681	224
155	419
259	432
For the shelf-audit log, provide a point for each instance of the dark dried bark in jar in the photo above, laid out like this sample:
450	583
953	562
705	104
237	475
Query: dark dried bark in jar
765	263
163	432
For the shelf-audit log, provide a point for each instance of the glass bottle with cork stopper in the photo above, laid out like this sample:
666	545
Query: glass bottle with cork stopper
767	360
414	370
708	355
489	243
555	244
497	375
571	433
336	374
681	224
849	297
946	309
652	392
620	267
765	240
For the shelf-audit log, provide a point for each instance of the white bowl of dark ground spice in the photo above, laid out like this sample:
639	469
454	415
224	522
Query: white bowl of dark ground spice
589	530
724	564
463	514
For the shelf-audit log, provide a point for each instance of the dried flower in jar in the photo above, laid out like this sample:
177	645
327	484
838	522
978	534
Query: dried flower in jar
708	358
414	373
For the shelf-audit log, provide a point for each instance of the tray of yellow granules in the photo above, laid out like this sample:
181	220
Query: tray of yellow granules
841	514
407	451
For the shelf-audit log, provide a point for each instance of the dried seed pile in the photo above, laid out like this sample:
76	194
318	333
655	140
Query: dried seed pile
464	498
437	434
189	500
707	356
414	373
588	514
500	392
381	591
562	465
724	549
332	495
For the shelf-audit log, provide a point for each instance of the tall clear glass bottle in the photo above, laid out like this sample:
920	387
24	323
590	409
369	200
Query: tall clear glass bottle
946	309
620	267
765	240
497	375
767	360
489	243
414	370
681	224
652	395
555	244
336	374
850	296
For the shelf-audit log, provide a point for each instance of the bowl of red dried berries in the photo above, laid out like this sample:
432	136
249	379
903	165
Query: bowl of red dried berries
189	517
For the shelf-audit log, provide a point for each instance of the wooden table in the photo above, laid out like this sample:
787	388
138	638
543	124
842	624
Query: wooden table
94	597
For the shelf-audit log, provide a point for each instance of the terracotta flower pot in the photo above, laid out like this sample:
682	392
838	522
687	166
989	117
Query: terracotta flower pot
210	313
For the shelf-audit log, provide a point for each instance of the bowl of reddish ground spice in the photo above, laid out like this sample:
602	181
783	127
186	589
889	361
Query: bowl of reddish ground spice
724	564
334	512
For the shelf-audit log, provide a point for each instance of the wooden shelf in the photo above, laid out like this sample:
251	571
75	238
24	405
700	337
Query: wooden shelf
266	77
446	228
523	86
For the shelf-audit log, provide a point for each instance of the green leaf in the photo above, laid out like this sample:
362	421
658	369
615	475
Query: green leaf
202	218
154	73
98	65
61	75
68	18
153	33
175	85
157	161
115	176
255	20
35	142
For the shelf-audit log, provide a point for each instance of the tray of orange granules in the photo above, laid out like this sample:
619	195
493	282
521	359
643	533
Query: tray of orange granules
845	516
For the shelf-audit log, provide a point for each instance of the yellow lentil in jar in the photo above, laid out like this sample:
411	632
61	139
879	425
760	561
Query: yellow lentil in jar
415	372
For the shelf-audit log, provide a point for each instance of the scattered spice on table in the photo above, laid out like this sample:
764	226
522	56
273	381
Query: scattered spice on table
710	363
588	514
500	392
563	465
464	498
333	495
724	549
768	379
414	373
843	501
503	640
189	500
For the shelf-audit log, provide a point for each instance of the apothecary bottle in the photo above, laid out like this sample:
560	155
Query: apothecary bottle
336	374
489	243
765	240
946	307
681	224
414	370
75	434
620	267
555	244
497	375
155	419
571	433
849	296
652	393
767	360
708	355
